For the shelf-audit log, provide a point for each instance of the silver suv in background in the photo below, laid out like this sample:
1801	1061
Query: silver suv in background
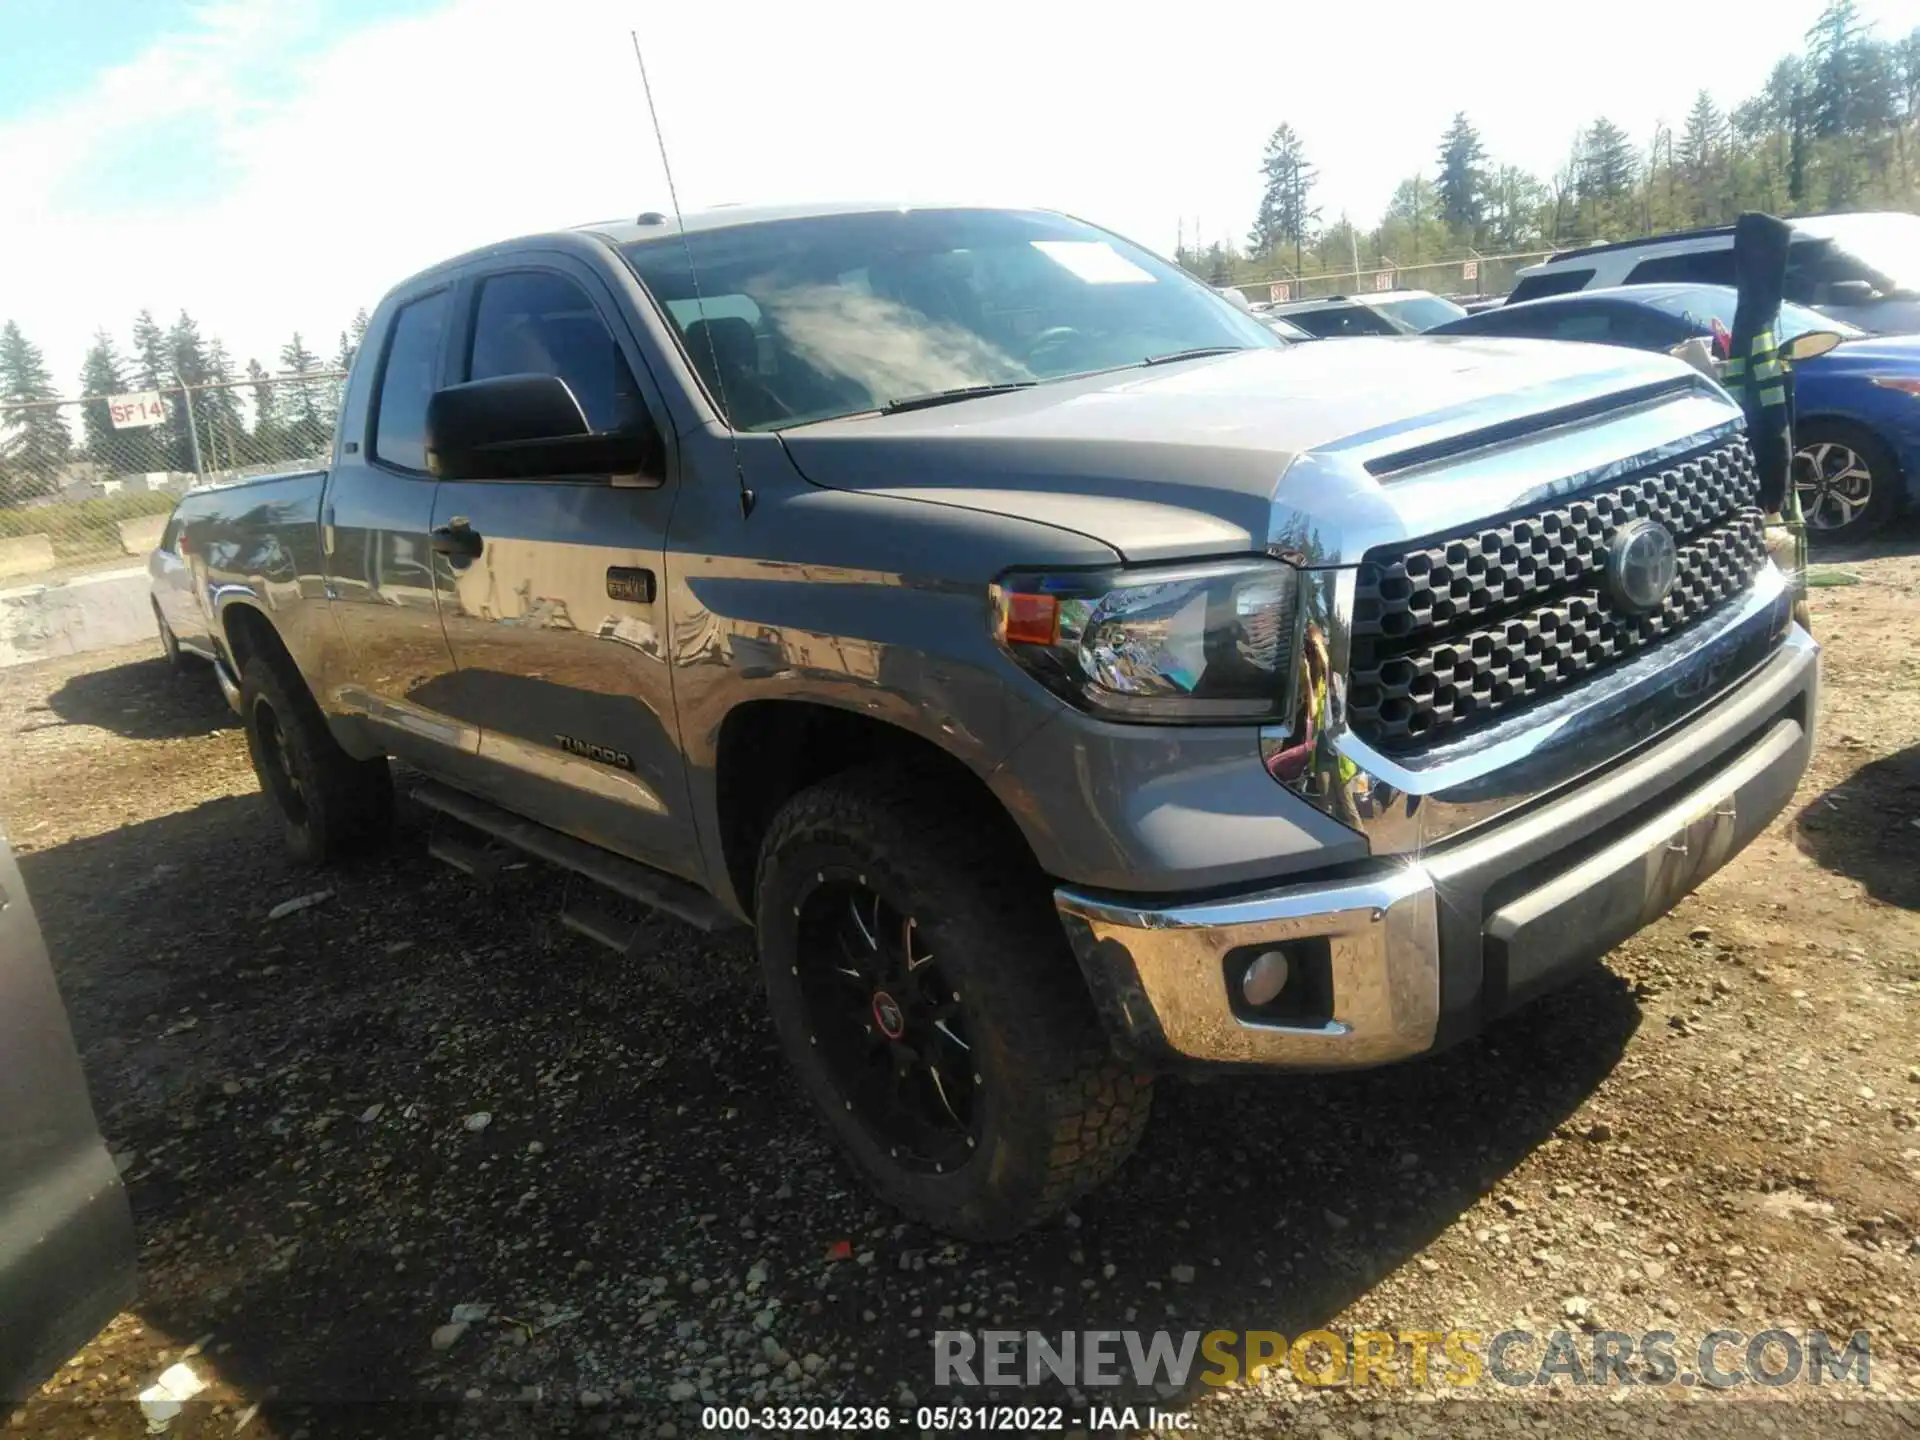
1860	268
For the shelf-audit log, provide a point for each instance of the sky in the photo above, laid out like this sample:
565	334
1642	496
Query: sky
272	165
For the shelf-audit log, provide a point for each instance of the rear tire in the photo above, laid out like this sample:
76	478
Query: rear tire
329	803
1848	480
169	642
980	1114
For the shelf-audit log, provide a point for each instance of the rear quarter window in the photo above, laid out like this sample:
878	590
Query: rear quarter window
1696	267
1553	282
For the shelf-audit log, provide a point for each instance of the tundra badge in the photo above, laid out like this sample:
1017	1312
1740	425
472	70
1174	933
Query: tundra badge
619	759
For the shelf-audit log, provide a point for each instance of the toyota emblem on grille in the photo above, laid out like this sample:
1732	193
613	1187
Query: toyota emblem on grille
1641	564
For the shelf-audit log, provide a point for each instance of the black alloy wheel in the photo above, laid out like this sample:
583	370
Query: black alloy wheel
889	1022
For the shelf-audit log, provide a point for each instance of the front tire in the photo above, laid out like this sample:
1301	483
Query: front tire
1848	481
329	803
923	991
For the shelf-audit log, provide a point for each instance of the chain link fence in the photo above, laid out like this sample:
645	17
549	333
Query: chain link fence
1476	275
86	484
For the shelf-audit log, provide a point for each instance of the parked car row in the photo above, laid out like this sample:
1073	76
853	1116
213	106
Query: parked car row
1856	408
1860	268
1857	423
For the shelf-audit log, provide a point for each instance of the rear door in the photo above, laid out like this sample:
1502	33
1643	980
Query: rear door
376	521
557	613
66	1238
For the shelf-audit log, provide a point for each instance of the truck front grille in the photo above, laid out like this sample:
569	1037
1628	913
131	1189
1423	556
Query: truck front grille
1455	629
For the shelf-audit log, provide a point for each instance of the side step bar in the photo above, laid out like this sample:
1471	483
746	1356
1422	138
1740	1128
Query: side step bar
625	877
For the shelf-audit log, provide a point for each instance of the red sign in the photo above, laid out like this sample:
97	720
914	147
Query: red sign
132	412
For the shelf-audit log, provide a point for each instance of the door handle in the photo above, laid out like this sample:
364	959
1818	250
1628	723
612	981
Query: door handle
457	538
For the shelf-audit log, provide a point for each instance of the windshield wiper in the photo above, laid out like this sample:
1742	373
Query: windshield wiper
1196	353
959	392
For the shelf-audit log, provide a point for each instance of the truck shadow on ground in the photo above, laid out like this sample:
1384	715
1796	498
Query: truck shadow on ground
1868	828
311	1187
145	701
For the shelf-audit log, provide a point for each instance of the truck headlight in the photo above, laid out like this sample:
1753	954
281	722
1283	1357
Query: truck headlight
1193	644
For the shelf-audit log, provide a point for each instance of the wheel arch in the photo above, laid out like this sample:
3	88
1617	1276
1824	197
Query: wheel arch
769	750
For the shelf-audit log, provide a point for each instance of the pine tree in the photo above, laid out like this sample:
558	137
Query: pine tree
307	426
167	448
151	366
1701	160
1462	180
1835	48
267	440
102	373
226	435
1607	173
133	451
187	417
1288	178
358	329
34	440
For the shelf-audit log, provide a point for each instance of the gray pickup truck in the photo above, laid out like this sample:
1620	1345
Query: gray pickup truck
1064	679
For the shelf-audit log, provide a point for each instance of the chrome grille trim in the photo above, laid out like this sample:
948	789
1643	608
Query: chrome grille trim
1451	630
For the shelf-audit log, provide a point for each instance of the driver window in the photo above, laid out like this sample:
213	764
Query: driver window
536	322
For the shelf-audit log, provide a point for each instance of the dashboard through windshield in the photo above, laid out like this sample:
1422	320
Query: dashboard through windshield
806	319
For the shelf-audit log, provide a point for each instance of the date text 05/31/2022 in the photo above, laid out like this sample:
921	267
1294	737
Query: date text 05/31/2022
937	1419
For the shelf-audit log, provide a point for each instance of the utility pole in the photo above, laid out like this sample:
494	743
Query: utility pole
193	430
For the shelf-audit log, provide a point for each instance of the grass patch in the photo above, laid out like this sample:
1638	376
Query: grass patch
84	529
1830	579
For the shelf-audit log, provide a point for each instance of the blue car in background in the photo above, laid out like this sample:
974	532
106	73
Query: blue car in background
1856	408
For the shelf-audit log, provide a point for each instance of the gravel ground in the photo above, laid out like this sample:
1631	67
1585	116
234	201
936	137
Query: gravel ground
417	1093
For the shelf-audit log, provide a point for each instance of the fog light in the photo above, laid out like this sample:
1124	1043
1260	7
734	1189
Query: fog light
1264	979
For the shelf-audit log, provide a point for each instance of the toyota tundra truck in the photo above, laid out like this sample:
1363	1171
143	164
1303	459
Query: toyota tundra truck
1064	680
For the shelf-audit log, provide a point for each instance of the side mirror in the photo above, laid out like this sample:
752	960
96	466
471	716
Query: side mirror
1811	344
529	427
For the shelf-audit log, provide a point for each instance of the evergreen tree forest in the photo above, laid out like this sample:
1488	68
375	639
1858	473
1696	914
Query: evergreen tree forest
1835	127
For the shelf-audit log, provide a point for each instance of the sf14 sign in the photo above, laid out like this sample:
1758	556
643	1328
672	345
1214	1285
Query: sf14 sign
132	412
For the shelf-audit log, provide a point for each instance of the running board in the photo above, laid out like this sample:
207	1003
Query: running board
635	881
623	937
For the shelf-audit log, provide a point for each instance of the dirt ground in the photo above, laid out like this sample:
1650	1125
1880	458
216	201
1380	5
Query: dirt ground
1718	1128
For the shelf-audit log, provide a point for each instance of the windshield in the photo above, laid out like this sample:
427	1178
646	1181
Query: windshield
806	319
1888	246
1702	306
1421	312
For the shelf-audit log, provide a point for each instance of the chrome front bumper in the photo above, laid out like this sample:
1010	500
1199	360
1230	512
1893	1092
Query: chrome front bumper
1425	948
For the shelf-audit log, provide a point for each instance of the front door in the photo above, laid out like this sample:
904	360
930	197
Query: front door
66	1239
551	590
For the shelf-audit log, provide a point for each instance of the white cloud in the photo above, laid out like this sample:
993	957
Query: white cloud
350	160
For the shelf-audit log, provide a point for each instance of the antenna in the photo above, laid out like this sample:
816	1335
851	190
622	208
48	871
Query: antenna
713	353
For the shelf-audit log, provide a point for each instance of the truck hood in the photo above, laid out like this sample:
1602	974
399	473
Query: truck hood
1201	457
